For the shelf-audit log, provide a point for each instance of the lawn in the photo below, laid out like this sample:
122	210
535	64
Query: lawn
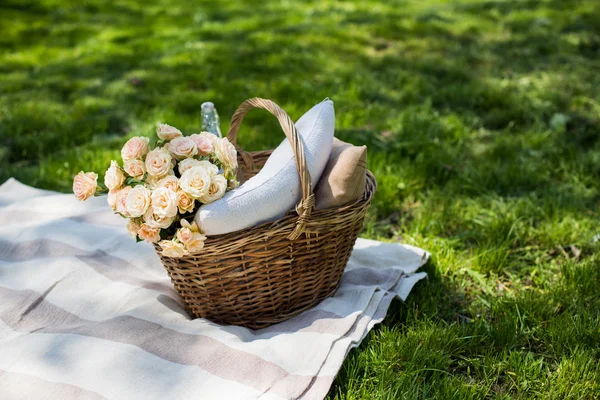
482	120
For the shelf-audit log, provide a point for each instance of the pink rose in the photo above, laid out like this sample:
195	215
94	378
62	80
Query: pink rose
148	234
122	201
182	147
167	132
159	162
169	182
205	142
112	199
84	185
136	147
184	235
190	236
135	168
133	227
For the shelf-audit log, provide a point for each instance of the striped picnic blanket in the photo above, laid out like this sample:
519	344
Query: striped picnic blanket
85	312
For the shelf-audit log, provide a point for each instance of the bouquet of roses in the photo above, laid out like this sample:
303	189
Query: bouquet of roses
160	189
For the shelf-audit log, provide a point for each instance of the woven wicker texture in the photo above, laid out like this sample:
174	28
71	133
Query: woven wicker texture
266	274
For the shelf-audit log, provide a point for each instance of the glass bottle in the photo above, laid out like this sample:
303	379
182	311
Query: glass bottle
210	119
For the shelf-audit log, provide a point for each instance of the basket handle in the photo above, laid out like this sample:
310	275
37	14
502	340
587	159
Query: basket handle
306	205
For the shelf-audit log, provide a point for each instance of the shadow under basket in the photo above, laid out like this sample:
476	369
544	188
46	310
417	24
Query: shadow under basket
266	274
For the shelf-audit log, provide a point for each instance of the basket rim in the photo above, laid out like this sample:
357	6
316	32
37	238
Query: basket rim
287	222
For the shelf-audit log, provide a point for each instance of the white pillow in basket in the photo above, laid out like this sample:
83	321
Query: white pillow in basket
276	189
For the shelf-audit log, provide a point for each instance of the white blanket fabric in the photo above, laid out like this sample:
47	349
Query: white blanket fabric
85	312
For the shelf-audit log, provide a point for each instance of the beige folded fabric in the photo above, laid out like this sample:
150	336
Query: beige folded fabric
345	175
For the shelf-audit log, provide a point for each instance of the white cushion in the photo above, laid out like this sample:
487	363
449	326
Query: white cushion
276	189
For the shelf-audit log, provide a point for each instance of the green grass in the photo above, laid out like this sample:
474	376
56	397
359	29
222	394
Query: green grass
483	125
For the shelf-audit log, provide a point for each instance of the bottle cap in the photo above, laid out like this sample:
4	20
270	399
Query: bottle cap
208	106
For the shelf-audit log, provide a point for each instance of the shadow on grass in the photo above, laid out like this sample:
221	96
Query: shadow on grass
511	346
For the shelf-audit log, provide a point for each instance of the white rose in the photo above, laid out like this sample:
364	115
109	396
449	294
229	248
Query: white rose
190	162
164	202
182	147
210	167
171	248
114	177
186	164
226	153
138	201
159	162
167	132
135	168
195	182
196	243
184	202
192	227
216	190
152	181
155	221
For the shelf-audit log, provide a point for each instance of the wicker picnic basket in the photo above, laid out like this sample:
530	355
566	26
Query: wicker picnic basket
266	274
